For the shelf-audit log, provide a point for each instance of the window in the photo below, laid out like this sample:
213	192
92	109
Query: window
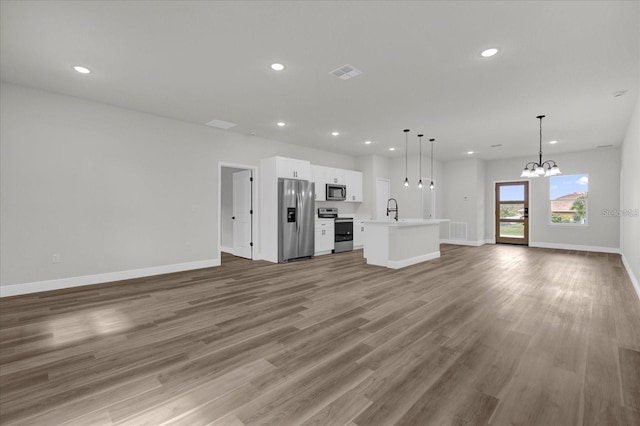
569	199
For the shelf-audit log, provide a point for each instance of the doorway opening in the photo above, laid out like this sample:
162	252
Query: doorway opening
237	218
512	212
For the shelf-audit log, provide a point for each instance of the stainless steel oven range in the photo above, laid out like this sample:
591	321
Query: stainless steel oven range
343	235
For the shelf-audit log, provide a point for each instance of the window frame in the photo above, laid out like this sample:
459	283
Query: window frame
570	224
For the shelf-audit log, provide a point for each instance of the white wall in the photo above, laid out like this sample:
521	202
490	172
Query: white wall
464	196
630	192
603	167
111	189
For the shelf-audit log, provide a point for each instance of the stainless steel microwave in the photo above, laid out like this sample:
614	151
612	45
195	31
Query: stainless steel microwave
336	192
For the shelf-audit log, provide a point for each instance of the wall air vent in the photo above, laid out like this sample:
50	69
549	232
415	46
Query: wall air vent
604	146
219	124
458	230
345	72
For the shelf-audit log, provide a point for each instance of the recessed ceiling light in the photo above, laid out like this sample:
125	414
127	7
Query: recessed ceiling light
277	67
392	149
82	70
553	142
469	152
489	52
335	133
367	142
281	123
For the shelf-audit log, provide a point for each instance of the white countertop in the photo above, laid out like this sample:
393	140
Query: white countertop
407	222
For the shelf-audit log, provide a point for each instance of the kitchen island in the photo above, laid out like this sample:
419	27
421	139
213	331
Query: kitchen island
403	243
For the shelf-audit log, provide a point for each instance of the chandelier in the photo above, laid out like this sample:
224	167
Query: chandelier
546	168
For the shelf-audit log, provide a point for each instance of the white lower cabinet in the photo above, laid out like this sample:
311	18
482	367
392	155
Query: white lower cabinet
358	233
324	237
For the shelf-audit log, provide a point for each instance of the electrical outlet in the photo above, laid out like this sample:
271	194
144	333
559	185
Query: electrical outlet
55	258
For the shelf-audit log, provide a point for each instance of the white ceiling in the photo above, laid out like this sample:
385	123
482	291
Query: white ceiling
199	61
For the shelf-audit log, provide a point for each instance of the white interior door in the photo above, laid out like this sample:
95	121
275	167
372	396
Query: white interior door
242	214
428	202
382	196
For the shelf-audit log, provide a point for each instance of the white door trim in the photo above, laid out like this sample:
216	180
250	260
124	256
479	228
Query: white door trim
254	198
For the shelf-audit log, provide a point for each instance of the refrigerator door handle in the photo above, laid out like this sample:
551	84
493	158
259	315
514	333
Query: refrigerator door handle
298	206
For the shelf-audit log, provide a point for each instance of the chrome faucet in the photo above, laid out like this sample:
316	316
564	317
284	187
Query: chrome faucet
394	209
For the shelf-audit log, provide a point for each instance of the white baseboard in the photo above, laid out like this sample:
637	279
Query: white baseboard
397	264
598	249
463	242
38	286
634	279
226	249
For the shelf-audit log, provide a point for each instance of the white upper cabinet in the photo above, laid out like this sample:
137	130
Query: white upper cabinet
335	176
353	180
293	169
318	174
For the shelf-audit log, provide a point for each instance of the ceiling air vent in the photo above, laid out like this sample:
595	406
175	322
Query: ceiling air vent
346	72
219	124
604	146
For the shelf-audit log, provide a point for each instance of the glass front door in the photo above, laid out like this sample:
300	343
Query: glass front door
512	212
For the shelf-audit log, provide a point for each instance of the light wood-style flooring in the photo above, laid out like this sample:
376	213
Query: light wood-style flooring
498	335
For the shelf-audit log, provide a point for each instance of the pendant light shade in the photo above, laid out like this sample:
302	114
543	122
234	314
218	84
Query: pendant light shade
420	176
546	168
406	159
432	186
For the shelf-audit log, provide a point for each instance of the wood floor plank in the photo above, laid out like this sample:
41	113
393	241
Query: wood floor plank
540	394
341	411
178	404
630	373
491	335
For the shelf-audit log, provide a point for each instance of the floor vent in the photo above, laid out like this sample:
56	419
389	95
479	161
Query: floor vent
458	230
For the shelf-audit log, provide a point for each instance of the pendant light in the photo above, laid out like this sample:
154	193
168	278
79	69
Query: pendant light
540	168
432	186
406	160
420	181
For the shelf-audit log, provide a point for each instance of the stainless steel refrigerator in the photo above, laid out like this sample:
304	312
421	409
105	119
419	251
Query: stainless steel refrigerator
296	222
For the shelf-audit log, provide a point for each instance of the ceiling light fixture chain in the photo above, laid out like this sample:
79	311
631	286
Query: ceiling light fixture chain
546	168
406	159
420	181
432	186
